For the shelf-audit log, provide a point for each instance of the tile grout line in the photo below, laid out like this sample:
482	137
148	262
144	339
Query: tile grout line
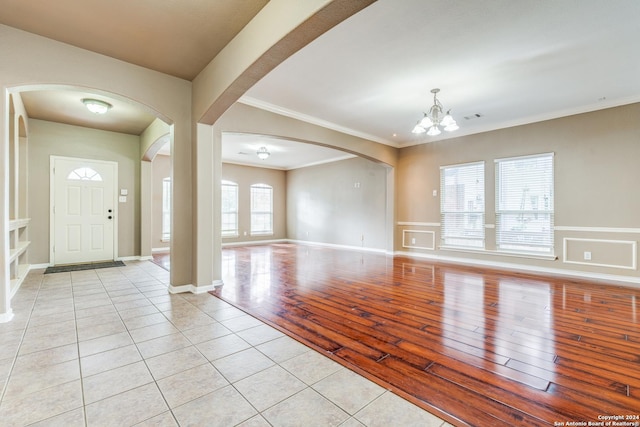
144	360
23	335
75	319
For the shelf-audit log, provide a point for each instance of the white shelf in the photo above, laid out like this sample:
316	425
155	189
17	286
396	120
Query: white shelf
23	269
18	223
17	251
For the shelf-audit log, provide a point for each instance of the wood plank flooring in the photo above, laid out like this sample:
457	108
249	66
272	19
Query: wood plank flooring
475	346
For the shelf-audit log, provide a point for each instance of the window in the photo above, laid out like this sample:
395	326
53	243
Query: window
84	174
524	204
462	205
261	209
166	209
229	209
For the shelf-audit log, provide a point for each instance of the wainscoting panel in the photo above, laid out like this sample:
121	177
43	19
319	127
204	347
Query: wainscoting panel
418	239
601	252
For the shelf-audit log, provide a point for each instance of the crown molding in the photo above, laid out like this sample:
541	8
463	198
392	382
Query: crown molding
252	102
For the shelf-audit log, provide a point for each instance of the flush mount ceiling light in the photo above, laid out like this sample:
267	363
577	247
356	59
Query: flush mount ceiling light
435	119
263	153
96	106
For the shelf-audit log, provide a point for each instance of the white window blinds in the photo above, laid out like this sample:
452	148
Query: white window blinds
166	209
462	205
261	209
229	204
524	204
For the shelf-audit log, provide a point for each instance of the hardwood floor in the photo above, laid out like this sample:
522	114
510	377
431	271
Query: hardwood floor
162	259
474	346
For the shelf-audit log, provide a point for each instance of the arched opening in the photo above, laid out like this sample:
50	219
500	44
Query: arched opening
330	195
59	124
157	194
249	121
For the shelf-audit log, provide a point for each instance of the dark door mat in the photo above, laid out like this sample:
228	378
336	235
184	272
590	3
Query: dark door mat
80	267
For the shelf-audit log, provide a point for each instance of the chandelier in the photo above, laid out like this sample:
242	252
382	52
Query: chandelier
263	153
435	119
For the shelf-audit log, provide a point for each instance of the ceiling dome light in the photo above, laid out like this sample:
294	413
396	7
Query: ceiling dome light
96	106
435	118
262	153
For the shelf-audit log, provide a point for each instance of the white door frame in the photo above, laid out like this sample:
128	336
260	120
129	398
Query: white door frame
52	236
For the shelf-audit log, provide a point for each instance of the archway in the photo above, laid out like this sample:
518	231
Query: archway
156	191
241	118
131	127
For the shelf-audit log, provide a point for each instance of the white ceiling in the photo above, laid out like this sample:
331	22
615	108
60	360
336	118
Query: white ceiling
242	148
510	61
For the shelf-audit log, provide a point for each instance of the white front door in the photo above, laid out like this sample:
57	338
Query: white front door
83	210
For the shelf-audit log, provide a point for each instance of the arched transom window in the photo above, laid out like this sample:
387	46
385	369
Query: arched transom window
84	174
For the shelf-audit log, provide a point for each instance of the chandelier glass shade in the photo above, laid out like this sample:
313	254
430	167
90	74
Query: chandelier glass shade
263	153
435	119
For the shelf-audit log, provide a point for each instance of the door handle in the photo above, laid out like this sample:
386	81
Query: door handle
110	217
110	211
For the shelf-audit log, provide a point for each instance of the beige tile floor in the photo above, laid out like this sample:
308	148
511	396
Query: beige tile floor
112	347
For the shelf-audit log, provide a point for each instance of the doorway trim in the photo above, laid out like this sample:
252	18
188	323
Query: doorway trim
52	160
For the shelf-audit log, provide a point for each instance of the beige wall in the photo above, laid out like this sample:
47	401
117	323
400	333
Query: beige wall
33	62
160	169
596	176
340	203
47	139
245	176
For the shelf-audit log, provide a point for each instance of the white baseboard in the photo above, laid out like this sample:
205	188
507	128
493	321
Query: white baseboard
134	258
336	246
6	317
127	258
195	289
255	242
37	266
160	250
625	280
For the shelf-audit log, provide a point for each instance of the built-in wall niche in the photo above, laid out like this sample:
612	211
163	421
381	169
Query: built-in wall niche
18	245
18	259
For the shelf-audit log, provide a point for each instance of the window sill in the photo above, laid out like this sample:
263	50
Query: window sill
260	234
